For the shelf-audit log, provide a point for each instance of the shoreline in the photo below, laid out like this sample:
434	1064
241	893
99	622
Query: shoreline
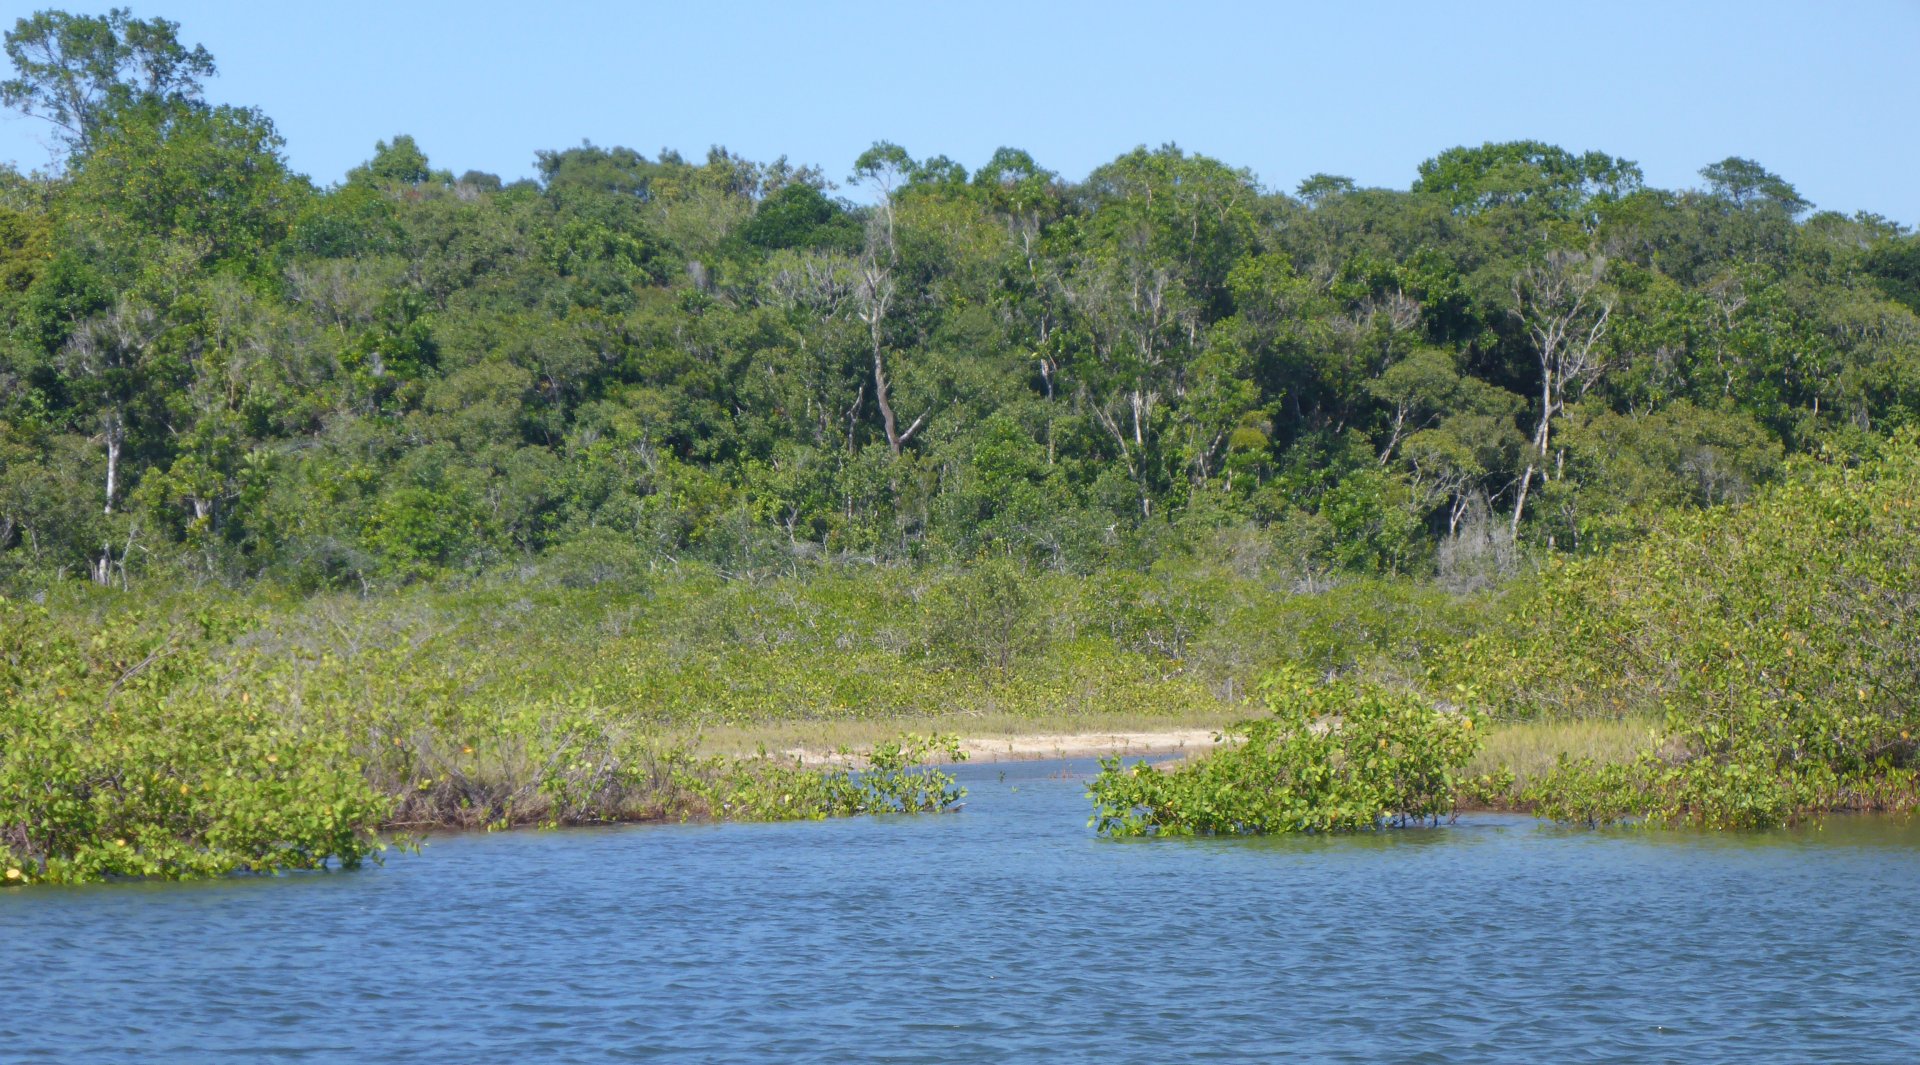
1039	747
987	750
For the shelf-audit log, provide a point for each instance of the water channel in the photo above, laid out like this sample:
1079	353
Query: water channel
1005	932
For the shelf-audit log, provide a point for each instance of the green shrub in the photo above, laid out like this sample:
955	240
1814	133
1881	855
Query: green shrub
894	781
1778	635
164	743
1336	757
125	754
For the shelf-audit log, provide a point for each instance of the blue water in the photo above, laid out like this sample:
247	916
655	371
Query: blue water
1006	932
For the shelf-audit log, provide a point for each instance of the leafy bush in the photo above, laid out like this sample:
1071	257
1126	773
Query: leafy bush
984	618
175	744
1366	629
125	754
1329	758
1778	635
894	781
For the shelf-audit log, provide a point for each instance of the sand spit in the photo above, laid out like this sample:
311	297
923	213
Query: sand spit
1037	746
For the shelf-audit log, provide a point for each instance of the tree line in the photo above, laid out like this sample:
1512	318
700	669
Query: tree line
214	369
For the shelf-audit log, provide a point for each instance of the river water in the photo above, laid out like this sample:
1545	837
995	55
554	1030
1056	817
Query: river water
1006	932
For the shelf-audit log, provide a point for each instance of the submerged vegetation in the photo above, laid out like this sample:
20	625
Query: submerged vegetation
437	499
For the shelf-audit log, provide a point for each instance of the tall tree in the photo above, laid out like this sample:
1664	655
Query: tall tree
1565	311
883	167
77	71
1748	184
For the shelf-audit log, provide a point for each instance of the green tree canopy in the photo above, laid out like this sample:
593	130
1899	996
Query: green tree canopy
1525	172
76	71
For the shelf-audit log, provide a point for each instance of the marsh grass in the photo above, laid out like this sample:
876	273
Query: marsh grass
1530	748
1514	755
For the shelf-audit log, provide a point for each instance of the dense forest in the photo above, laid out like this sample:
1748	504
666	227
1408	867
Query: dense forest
426	498
212	369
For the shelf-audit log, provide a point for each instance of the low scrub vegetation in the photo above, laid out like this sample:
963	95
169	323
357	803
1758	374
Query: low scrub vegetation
303	727
1332	757
1777	637
1780	638
156	733
189	744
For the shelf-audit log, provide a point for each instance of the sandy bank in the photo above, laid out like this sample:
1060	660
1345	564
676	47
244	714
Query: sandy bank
1036	746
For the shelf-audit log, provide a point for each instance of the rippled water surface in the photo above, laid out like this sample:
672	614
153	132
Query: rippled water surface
1006	932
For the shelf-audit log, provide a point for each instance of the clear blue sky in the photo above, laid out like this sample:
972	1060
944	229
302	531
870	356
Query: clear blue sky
1825	95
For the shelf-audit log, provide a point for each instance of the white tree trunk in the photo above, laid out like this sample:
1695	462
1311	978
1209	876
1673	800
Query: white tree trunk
115	436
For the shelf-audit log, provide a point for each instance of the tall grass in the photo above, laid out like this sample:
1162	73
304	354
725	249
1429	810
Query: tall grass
1531	748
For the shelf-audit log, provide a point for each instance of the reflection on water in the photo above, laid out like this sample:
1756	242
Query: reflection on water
1003	933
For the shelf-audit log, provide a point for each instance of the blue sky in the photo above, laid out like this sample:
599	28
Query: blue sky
1822	94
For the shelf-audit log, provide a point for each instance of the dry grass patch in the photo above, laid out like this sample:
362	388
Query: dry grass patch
1530	748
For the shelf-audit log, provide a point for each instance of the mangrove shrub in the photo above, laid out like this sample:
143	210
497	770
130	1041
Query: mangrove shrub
125	754
1333	757
1778	636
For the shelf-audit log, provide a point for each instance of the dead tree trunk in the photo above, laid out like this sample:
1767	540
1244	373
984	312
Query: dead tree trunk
1565	313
